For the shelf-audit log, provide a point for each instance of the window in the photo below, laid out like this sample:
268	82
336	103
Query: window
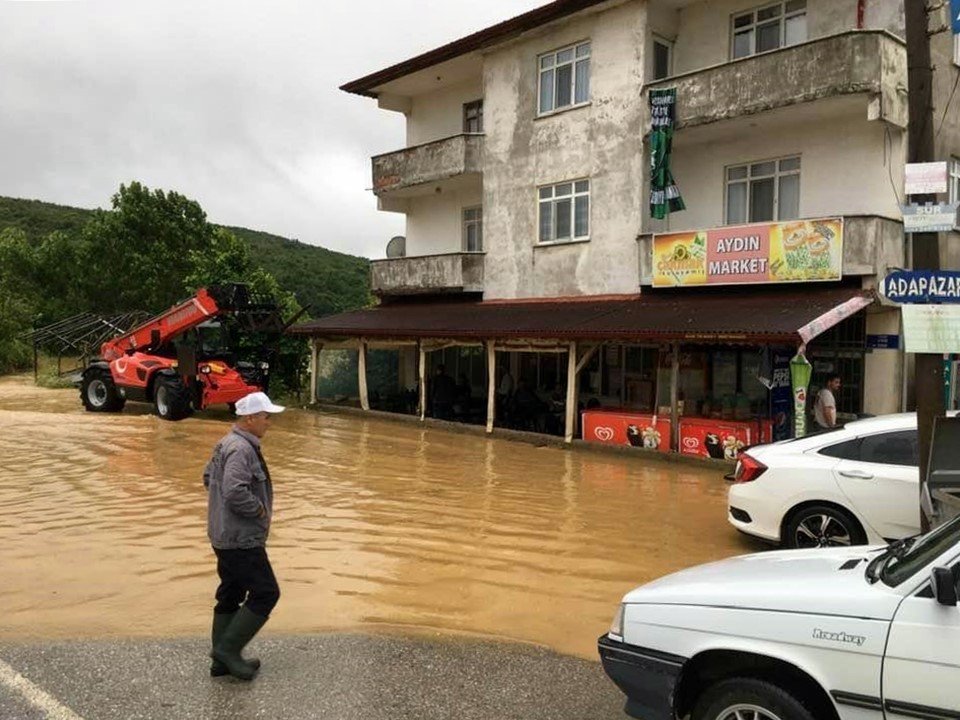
763	191
565	212
662	59
564	78
473	229
768	28
473	117
891	448
847	450
955	177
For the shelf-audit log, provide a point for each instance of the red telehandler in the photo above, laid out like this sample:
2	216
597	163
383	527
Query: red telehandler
185	358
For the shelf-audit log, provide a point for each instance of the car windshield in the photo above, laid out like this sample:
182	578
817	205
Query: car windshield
902	561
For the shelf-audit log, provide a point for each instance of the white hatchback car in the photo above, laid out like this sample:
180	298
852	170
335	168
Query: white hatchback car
855	485
824	634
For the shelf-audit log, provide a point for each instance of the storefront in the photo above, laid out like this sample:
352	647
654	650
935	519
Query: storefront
701	372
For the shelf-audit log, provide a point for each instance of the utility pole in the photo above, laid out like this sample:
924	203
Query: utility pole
926	246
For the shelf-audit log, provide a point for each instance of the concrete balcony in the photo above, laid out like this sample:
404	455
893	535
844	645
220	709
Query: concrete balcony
871	63
428	275
412	171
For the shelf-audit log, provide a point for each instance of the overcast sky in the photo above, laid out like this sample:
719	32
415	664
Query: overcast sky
232	103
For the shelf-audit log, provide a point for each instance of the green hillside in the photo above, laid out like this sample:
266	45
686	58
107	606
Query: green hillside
327	281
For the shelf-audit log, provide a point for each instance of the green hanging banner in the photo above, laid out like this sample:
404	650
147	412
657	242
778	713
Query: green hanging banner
664	193
800	371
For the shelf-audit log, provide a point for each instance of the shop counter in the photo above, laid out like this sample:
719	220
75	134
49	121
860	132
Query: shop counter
625	427
721	439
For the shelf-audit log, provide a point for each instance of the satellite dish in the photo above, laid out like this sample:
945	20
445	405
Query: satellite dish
397	247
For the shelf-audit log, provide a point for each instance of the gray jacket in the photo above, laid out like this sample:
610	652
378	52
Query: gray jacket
240	494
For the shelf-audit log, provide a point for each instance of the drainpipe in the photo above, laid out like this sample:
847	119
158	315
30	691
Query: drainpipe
861	12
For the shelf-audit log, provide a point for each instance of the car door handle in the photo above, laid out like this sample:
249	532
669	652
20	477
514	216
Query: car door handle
856	474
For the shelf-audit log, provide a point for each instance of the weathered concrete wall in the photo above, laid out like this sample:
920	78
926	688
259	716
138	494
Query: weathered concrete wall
431	162
434	222
883	378
842	166
440	114
462	272
600	141
870	63
704	34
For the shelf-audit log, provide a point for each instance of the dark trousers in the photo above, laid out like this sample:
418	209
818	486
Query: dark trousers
246	578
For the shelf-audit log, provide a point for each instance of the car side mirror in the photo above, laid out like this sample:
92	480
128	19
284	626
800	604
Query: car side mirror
944	586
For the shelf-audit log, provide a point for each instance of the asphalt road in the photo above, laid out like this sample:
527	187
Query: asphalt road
341	676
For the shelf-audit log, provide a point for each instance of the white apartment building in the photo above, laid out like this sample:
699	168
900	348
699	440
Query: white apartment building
525	186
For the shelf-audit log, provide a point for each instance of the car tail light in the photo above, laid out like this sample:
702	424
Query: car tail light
748	469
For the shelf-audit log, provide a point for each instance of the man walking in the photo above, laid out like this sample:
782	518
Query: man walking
239	508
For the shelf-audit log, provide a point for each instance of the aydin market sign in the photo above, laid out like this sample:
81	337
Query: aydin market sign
795	251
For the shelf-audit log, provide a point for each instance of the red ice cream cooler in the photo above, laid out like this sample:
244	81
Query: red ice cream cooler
717	439
622	427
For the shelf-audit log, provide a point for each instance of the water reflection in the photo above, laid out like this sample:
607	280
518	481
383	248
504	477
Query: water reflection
377	524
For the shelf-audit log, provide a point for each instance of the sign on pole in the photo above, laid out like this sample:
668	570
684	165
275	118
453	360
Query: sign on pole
933	329
930	217
955	16
922	287
926	178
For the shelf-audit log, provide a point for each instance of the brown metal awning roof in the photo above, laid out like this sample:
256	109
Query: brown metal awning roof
477	41
792	315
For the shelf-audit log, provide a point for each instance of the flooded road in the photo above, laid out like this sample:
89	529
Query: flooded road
377	525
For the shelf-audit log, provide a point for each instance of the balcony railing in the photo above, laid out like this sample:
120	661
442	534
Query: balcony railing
857	62
431	274
428	163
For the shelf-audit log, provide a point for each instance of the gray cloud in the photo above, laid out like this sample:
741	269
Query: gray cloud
234	104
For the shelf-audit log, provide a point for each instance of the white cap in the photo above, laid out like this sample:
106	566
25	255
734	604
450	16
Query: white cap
257	402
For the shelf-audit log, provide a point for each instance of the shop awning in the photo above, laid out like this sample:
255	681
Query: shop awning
793	316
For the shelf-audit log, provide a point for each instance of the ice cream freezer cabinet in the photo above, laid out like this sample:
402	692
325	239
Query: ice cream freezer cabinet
623	427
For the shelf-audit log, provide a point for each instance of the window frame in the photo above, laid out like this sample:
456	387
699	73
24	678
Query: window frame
573	62
668	44
553	200
748	181
466	222
755	24
467	107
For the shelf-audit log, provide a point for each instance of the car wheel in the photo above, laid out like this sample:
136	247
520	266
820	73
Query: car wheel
823	526
749	699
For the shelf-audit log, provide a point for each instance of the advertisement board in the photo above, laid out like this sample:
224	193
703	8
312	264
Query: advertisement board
627	428
794	251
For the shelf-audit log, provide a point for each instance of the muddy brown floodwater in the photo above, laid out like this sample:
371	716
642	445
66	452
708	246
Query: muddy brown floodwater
377	525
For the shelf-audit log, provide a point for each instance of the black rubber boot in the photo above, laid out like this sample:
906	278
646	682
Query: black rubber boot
241	630
221	621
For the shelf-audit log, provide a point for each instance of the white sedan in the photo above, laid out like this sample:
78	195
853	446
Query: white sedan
855	485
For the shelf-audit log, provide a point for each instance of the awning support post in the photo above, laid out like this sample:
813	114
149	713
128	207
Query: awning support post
314	369
675	396
362	375
571	405
423	381
491	384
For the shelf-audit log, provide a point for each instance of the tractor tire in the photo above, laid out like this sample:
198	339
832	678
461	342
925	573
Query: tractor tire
99	393
172	398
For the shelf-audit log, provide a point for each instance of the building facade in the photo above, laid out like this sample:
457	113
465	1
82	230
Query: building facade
526	179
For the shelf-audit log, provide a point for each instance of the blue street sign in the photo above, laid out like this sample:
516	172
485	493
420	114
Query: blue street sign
922	286
883	342
955	16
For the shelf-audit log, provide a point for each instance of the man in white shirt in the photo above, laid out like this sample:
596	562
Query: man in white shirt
825	407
